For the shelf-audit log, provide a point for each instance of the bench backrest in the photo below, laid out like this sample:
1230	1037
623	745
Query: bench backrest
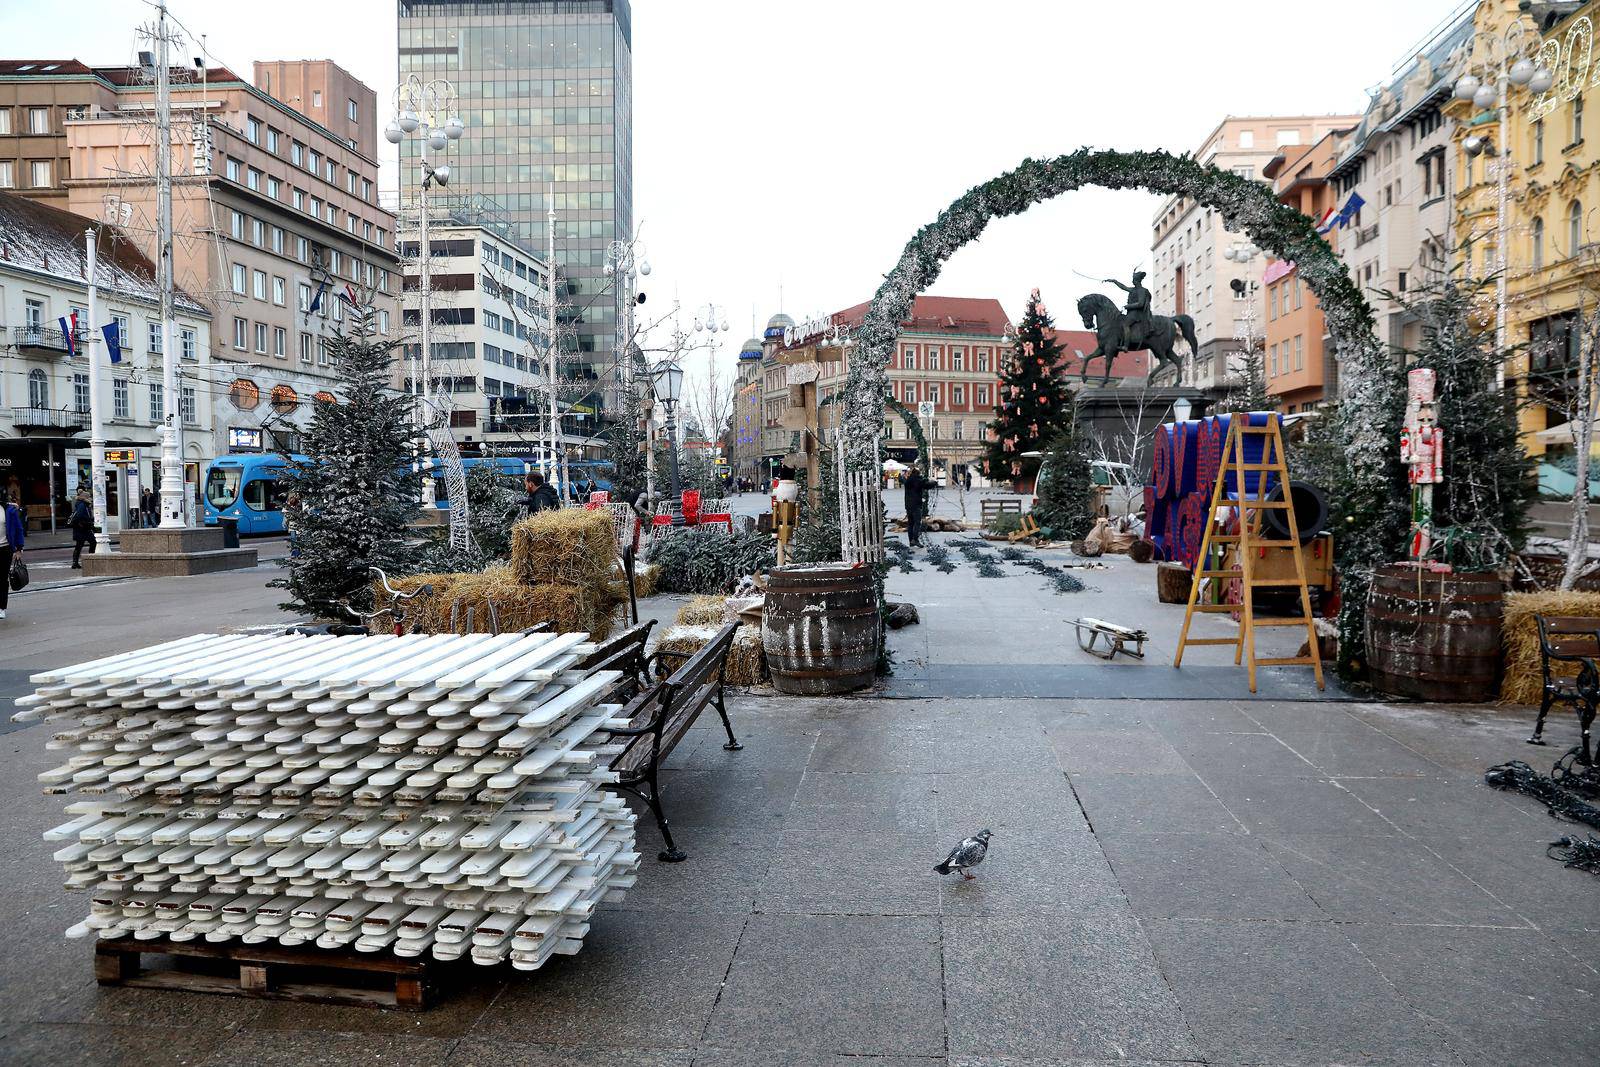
624	652
1569	635
673	704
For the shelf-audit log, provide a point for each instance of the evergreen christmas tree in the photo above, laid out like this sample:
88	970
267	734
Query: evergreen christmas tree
1034	404
1065	504
1247	385
354	495
1480	509
626	451
494	503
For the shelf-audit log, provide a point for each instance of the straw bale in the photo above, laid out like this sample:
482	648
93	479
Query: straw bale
645	578
422	614
746	664
1522	682
707	610
565	546
568	609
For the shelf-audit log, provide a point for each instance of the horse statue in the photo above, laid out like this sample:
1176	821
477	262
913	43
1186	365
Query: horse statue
1101	314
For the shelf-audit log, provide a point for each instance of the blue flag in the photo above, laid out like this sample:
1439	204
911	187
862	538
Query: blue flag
113	341
316	301
1351	206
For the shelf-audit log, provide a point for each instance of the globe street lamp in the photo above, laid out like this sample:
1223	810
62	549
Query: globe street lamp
1508	59
425	109
625	261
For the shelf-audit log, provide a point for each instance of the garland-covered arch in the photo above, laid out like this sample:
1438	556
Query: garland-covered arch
1374	523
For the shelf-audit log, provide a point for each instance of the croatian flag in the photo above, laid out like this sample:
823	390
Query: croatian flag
349	295
70	332
1329	217
113	341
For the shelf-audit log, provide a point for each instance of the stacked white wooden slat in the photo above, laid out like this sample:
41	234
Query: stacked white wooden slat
440	795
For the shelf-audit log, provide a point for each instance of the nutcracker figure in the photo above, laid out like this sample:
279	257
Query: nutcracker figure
1422	450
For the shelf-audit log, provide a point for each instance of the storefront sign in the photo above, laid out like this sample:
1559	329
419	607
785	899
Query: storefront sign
243	439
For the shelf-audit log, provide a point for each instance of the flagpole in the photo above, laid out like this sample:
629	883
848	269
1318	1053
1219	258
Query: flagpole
173	512
97	434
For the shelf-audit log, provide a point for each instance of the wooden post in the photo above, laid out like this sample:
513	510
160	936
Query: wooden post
113	967
253	977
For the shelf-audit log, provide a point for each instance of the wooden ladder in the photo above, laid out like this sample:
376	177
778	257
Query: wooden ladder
1252	510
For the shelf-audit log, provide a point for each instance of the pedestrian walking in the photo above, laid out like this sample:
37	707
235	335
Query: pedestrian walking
916	487
12	534
541	497
149	504
966	479
82	524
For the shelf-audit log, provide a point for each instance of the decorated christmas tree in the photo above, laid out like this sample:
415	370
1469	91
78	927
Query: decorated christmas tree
349	502
1035	406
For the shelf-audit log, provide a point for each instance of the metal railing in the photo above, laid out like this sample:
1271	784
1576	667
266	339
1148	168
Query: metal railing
48	418
41	337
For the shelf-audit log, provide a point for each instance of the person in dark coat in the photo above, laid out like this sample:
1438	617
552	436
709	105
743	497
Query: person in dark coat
916	487
541	497
82	523
13	530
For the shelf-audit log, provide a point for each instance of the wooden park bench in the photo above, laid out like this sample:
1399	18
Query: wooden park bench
659	717
623	652
1569	639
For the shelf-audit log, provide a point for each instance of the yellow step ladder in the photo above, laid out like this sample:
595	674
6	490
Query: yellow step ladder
1252	510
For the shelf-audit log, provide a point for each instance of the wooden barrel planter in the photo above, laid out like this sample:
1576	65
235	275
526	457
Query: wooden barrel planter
820	628
1434	636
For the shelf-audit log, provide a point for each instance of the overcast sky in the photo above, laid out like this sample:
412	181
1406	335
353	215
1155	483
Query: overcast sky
793	147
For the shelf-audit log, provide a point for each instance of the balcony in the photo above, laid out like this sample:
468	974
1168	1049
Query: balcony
25	419
1370	233
41	339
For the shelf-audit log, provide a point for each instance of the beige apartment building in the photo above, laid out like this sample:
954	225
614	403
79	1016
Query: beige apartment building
278	230
1189	273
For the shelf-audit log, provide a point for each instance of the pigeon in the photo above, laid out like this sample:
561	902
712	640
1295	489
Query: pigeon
968	854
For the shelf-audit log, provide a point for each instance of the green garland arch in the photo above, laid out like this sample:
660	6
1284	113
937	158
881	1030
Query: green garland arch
1374	520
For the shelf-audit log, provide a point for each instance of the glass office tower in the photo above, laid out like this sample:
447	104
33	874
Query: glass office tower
546	90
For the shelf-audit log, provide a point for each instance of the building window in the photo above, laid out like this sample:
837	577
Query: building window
272	141
239	279
933	393
232	170
299	199
959	432
158	407
296	149
120	409
188	343
274	188
252	179
280	342
305	297
252	129
911	359
5	122
958	358
352	113
153	333
261	338
80	393
1536	236
38	389
983	396
1574	227
8	173
121	322
241	334
38	120
911	392
186	405
279	287
258	286
305	348
316	98
933	359
39	173
236	225
258	233
383	322
958	396
983	361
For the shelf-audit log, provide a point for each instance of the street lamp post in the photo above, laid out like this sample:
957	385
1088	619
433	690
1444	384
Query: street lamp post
1243	253
625	261
1508	60
667	378
426	109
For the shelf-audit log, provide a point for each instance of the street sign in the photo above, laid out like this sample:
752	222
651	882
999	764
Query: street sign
925	410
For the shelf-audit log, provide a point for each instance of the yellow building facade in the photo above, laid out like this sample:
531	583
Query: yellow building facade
1550	166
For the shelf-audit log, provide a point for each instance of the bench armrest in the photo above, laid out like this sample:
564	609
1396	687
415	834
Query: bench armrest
650	696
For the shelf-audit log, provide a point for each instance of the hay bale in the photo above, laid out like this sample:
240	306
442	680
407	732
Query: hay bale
1522	682
429	614
645	576
568	609
746	664
566	546
710	610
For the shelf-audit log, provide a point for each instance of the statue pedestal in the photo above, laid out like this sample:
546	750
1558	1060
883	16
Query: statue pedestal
1123	420
162	553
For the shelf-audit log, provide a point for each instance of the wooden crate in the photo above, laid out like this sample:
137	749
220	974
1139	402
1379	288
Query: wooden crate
321	976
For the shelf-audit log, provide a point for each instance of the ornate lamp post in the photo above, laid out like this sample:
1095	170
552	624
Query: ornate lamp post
1244	252
625	261
426	109
1507	59
667	378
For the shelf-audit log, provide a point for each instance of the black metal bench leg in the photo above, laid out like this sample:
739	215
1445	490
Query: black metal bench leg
1538	726
1585	720
672	853
733	744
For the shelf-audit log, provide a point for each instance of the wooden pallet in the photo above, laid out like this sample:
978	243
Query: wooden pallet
321	976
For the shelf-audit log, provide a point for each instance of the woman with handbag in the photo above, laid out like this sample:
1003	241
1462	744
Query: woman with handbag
82	523
10	545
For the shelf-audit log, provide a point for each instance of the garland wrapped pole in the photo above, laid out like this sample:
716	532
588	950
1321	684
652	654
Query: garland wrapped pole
1373	522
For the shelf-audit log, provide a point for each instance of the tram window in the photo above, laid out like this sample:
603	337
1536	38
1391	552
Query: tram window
263	495
222	487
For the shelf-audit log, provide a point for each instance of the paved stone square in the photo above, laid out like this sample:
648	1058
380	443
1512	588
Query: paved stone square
1172	879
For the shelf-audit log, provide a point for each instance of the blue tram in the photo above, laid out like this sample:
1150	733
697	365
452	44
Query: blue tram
246	488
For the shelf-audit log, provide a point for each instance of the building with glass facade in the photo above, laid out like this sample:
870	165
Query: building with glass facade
546	90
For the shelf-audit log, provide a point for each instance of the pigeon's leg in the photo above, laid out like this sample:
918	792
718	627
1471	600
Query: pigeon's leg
966	877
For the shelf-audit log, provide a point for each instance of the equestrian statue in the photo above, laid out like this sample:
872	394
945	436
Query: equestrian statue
1133	328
